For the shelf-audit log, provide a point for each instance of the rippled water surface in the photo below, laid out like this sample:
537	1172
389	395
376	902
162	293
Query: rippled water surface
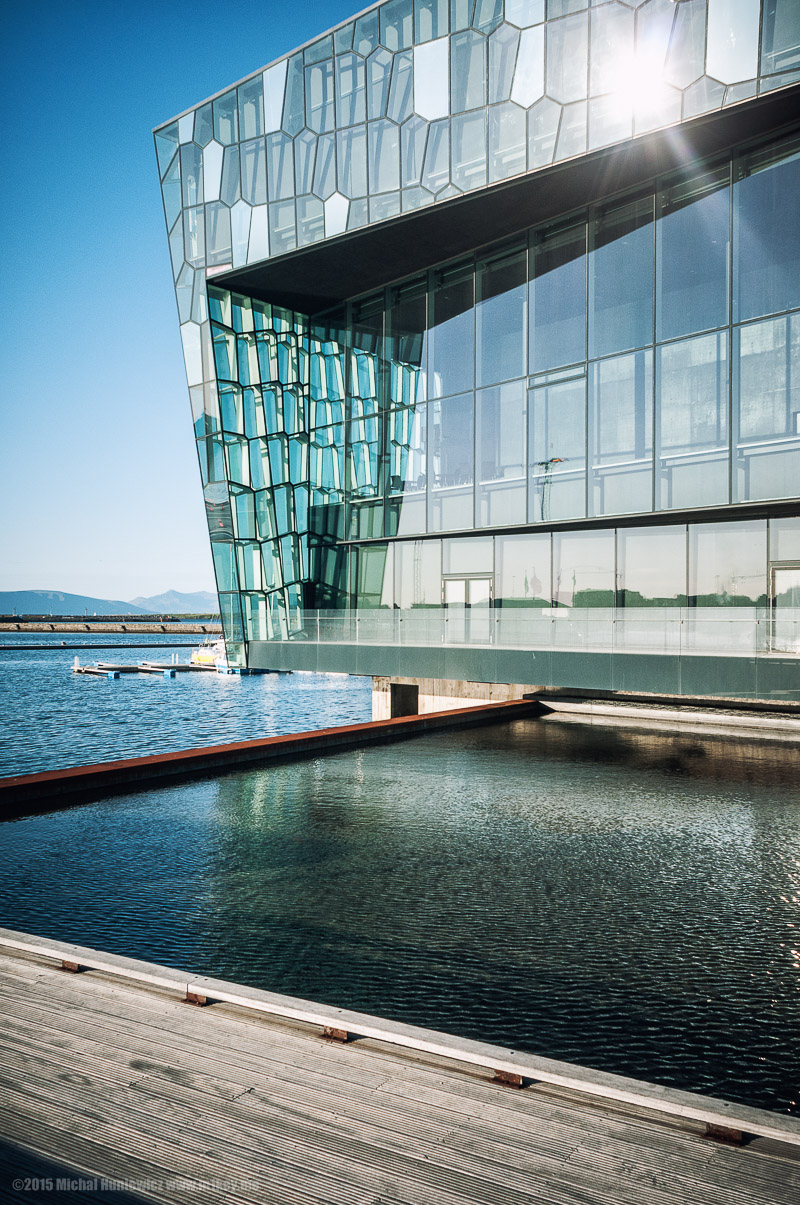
54	718
621	899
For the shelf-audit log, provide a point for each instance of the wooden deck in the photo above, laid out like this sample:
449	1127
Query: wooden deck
107	1079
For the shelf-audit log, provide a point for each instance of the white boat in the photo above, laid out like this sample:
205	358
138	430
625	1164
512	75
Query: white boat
211	652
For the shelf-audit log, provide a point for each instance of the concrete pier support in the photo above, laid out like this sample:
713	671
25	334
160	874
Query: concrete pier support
394	697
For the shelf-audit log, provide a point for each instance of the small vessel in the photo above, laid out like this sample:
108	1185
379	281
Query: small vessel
211	653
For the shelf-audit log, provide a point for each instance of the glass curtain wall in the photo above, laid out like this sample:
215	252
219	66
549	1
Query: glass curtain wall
640	356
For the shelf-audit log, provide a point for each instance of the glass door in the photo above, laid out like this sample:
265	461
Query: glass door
468	602
785	636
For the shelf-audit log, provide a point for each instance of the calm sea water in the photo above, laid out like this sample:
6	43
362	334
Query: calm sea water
54	718
628	900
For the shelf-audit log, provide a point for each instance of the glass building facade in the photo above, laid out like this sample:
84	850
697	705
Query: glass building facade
572	423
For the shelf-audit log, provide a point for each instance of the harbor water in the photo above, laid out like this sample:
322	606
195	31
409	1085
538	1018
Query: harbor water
624	899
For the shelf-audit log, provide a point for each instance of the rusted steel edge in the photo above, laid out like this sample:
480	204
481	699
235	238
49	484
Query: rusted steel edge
26	793
724	1120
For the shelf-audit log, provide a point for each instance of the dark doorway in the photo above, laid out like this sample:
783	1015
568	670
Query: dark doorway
404	699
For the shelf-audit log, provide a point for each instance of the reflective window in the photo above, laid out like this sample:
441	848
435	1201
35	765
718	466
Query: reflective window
558	297
567	58
251	111
583	569
254	172
727	564
692	418
467	71
469	150
780	36
692	238
406	322
784	539
500	330
767	409
651	567
384	156
621	278
557	455
430	19
621	434
452	339
500	454
374	584
468	555
418	573
767	233
451	455
522	571
350	90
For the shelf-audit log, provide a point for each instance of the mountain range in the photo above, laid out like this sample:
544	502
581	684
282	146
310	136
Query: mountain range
57	602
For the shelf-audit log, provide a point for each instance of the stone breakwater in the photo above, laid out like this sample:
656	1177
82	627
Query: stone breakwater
134	628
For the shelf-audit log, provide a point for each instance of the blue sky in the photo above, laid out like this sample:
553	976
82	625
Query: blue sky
99	486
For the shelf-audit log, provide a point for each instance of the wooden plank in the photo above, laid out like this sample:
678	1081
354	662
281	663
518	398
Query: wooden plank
129	1075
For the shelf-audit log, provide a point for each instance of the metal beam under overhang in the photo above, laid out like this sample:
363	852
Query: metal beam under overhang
328	272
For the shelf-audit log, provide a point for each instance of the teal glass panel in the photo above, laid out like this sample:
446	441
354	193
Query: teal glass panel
397	24
431	20
522	571
767	232
171	191
557	455
320	97
225	566
621	278
230	187
621	434
651	566
231	408
452	339
226	125
166	146
280	161
218	234
501	317
558	297
468	71
251	109
191	174
767	409
401	93
305	155
365	38
351	102
469	162
294	97
384	156
374	577
692	422
406	327
379	74
693	246
728	564
254	172
583	569
204	125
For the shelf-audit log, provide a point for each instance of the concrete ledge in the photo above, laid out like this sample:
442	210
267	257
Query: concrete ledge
672	1102
27	793
766	725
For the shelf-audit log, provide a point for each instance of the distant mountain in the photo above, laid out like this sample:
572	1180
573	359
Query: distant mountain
173	602
54	602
